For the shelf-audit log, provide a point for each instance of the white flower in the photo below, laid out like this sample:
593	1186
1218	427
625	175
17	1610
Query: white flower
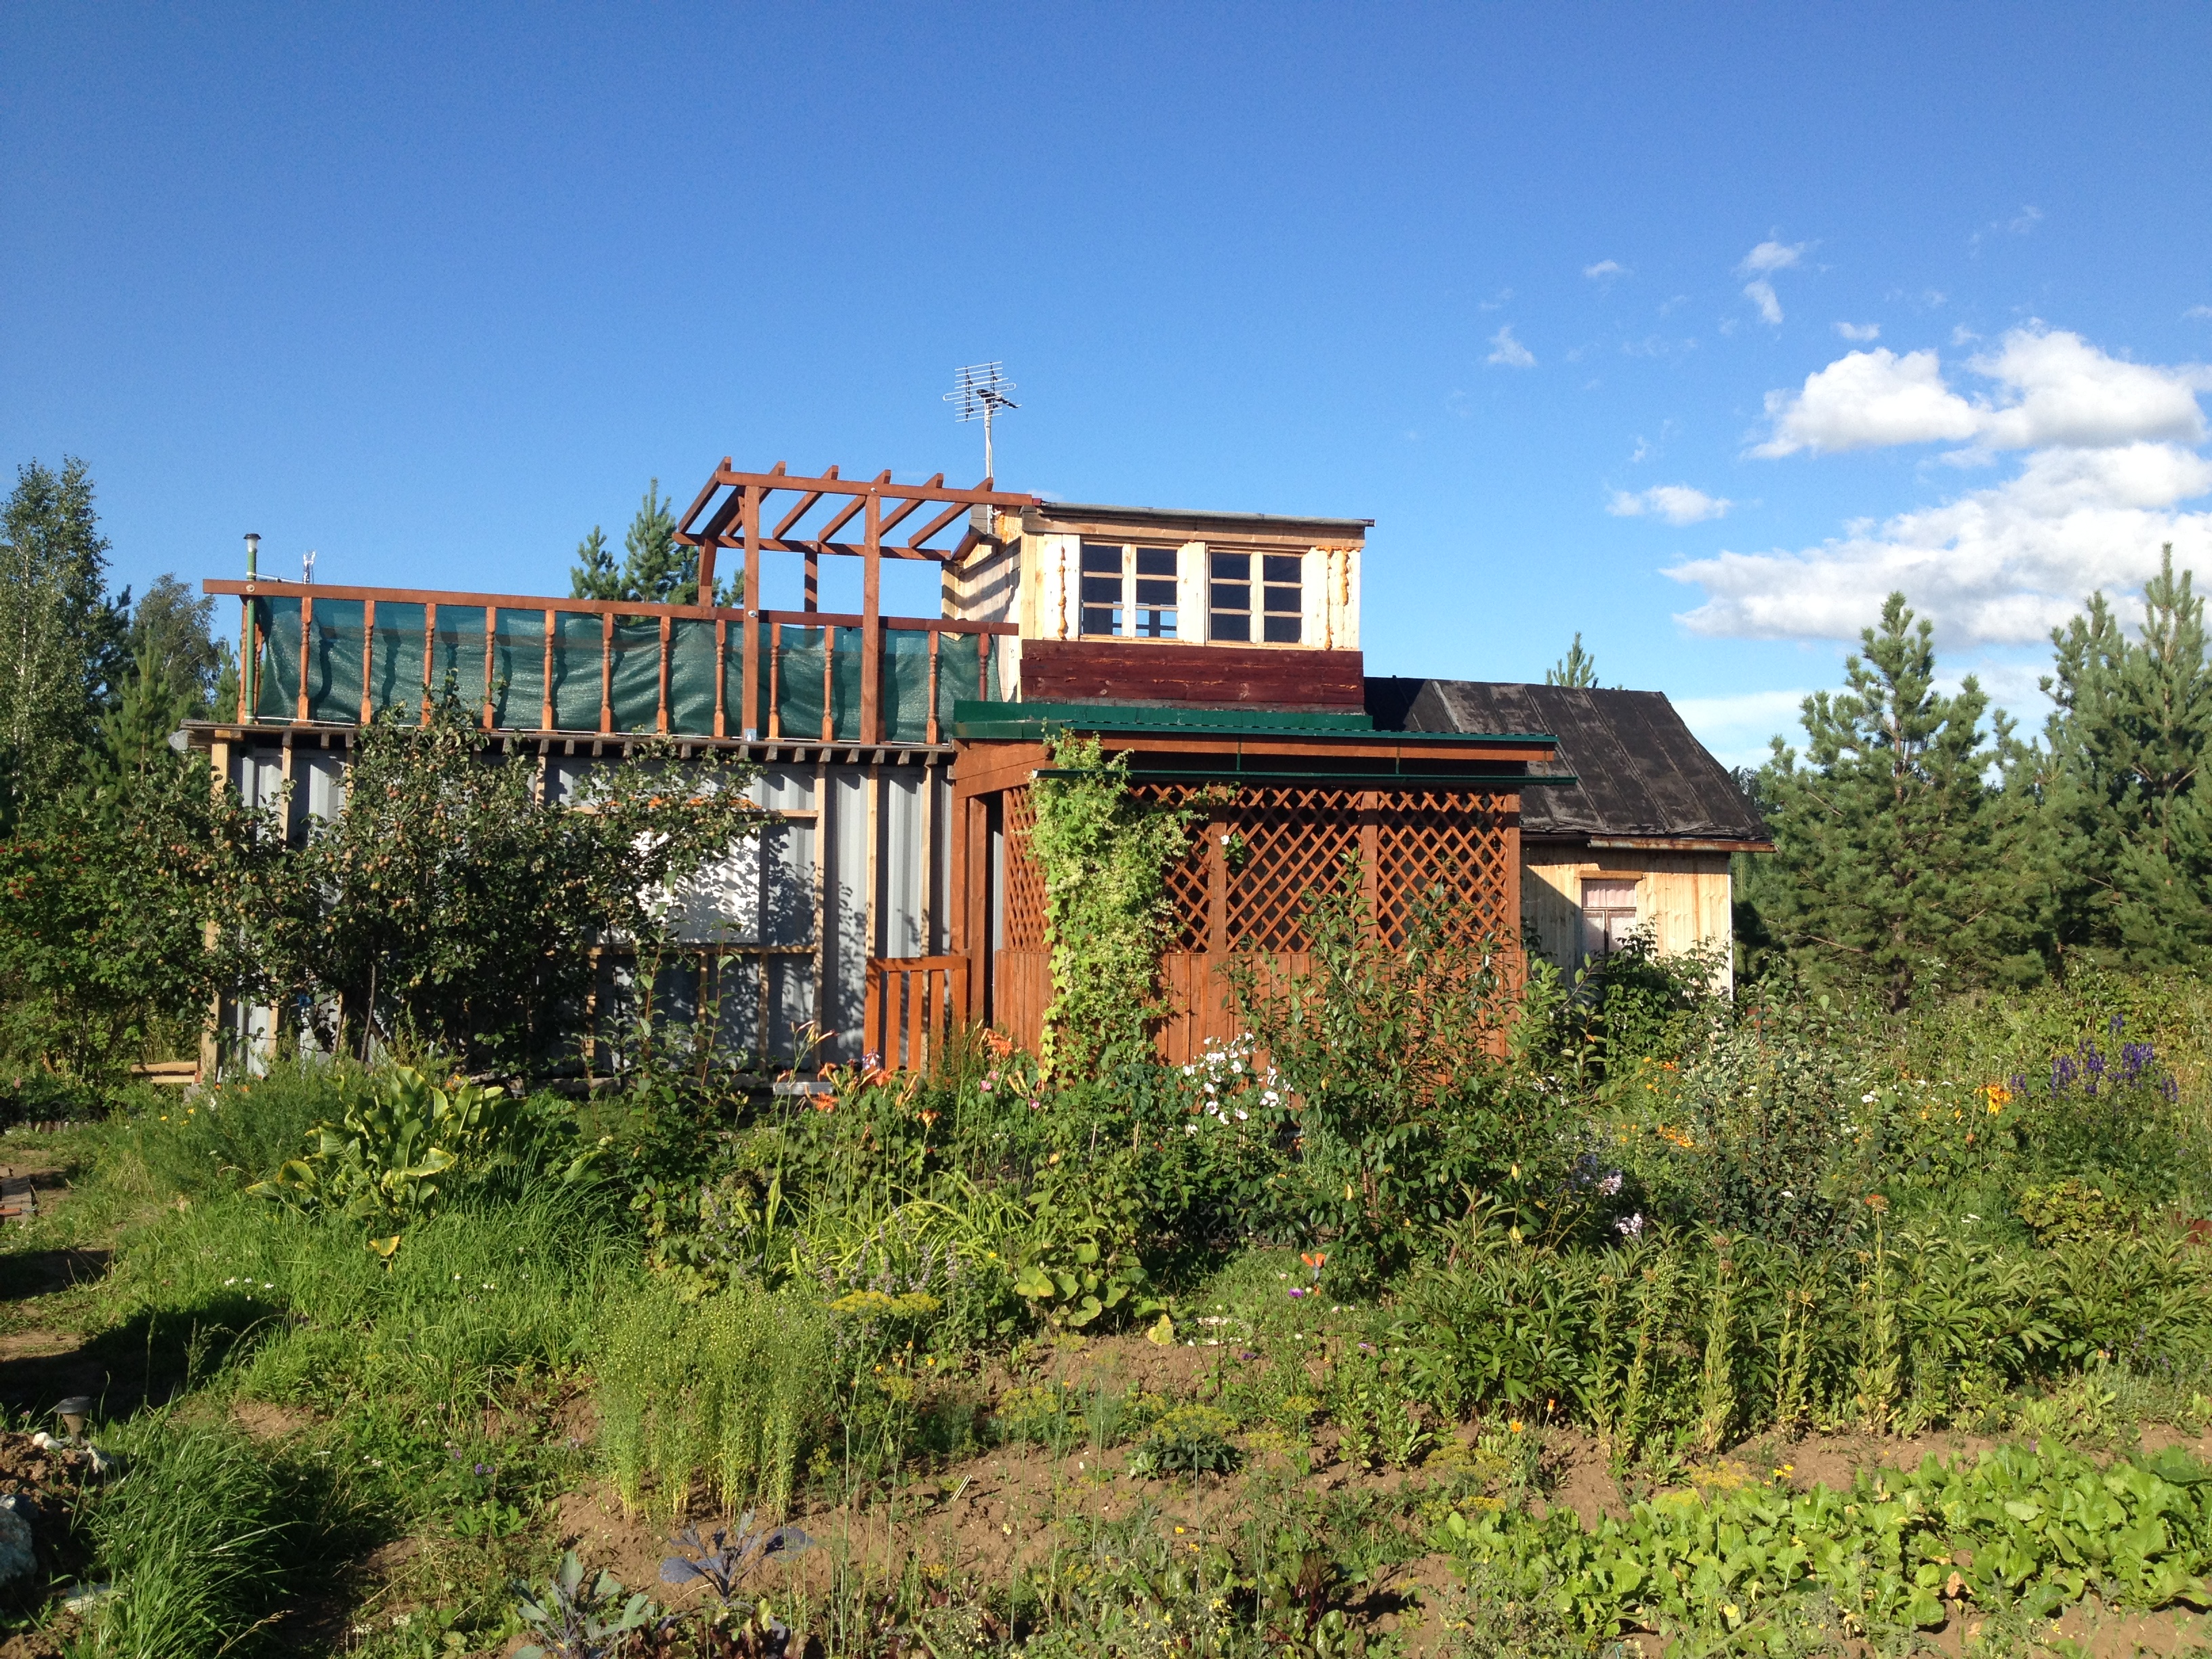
1868	1098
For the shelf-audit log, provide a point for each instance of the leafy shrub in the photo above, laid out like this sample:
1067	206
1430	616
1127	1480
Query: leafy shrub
1187	1440
390	1156
734	1387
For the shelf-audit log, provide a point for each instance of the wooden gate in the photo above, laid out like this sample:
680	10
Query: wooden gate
912	1003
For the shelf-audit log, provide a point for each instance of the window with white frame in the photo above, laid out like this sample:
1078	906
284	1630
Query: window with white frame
1608	915
1255	596
1156	592
1102	588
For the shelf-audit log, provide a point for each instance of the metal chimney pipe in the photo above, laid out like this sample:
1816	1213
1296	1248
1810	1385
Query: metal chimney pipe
245	699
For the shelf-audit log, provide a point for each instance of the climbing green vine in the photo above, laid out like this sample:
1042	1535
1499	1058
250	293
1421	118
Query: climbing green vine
1104	856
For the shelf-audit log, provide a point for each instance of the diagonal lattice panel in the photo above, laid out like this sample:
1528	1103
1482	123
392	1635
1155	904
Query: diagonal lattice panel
1294	843
1186	878
1024	925
1452	851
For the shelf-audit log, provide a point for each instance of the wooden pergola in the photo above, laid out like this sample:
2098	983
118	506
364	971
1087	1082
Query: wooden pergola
779	512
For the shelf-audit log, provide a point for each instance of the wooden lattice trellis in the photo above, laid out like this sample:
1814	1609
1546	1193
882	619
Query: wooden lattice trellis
1458	851
1024	922
1284	844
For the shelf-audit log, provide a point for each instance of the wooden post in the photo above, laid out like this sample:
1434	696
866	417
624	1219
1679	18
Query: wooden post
548	684
930	736
429	653
829	684
813	599
660	719
491	642
1370	863
927	840
983	667
245	658
871	913
721	673
824	833
871	638
607	671
1217	883
749	716
368	661
956	877
306	634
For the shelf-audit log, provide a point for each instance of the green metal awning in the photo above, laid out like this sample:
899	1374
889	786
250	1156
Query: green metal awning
1032	722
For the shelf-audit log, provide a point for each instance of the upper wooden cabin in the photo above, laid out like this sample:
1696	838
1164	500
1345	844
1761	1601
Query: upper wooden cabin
898	752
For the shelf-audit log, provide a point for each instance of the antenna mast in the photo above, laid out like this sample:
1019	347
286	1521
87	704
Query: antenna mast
979	391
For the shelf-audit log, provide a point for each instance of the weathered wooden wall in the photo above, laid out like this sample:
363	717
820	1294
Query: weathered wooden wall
1688	896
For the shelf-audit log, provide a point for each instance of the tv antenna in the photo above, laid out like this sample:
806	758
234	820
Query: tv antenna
979	391
308	569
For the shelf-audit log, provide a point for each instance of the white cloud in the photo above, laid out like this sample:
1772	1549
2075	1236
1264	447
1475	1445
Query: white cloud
1998	566
1770	256
1736	728
2053	388
1503	295
1864	333
1605	270
2025	221
1508	351
1679	504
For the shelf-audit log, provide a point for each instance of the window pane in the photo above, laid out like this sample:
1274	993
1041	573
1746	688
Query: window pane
1232	567
1283	599
1232	596
1282	630
1101	560
1157	624
1285	568
1156	562
1102	590
1102	619
1230	625
1151	591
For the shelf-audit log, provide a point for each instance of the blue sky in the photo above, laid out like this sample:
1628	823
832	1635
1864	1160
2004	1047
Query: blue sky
1921	294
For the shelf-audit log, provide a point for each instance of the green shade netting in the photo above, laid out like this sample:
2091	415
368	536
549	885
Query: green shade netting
906	685
457	655
277	678
518	670
691	677
577	640
635	679
333	667
798	682
395	676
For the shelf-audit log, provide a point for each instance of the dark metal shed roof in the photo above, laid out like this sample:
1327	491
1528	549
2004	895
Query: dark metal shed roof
1639	772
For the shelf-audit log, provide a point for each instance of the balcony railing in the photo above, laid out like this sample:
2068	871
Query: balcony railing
342	655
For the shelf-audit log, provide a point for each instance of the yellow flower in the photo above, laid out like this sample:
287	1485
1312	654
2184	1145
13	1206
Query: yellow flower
1515	1426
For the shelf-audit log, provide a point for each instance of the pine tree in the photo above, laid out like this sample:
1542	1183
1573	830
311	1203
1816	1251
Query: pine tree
2131	835
1895	852
134	735
656	568
1578	667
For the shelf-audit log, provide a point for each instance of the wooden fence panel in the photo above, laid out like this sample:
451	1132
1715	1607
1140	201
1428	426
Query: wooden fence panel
912	1002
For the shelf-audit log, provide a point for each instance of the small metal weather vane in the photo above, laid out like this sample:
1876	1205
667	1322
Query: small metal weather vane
979	393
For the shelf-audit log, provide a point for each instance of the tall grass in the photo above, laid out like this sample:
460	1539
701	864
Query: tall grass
733	1388
478	1297
197	1538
